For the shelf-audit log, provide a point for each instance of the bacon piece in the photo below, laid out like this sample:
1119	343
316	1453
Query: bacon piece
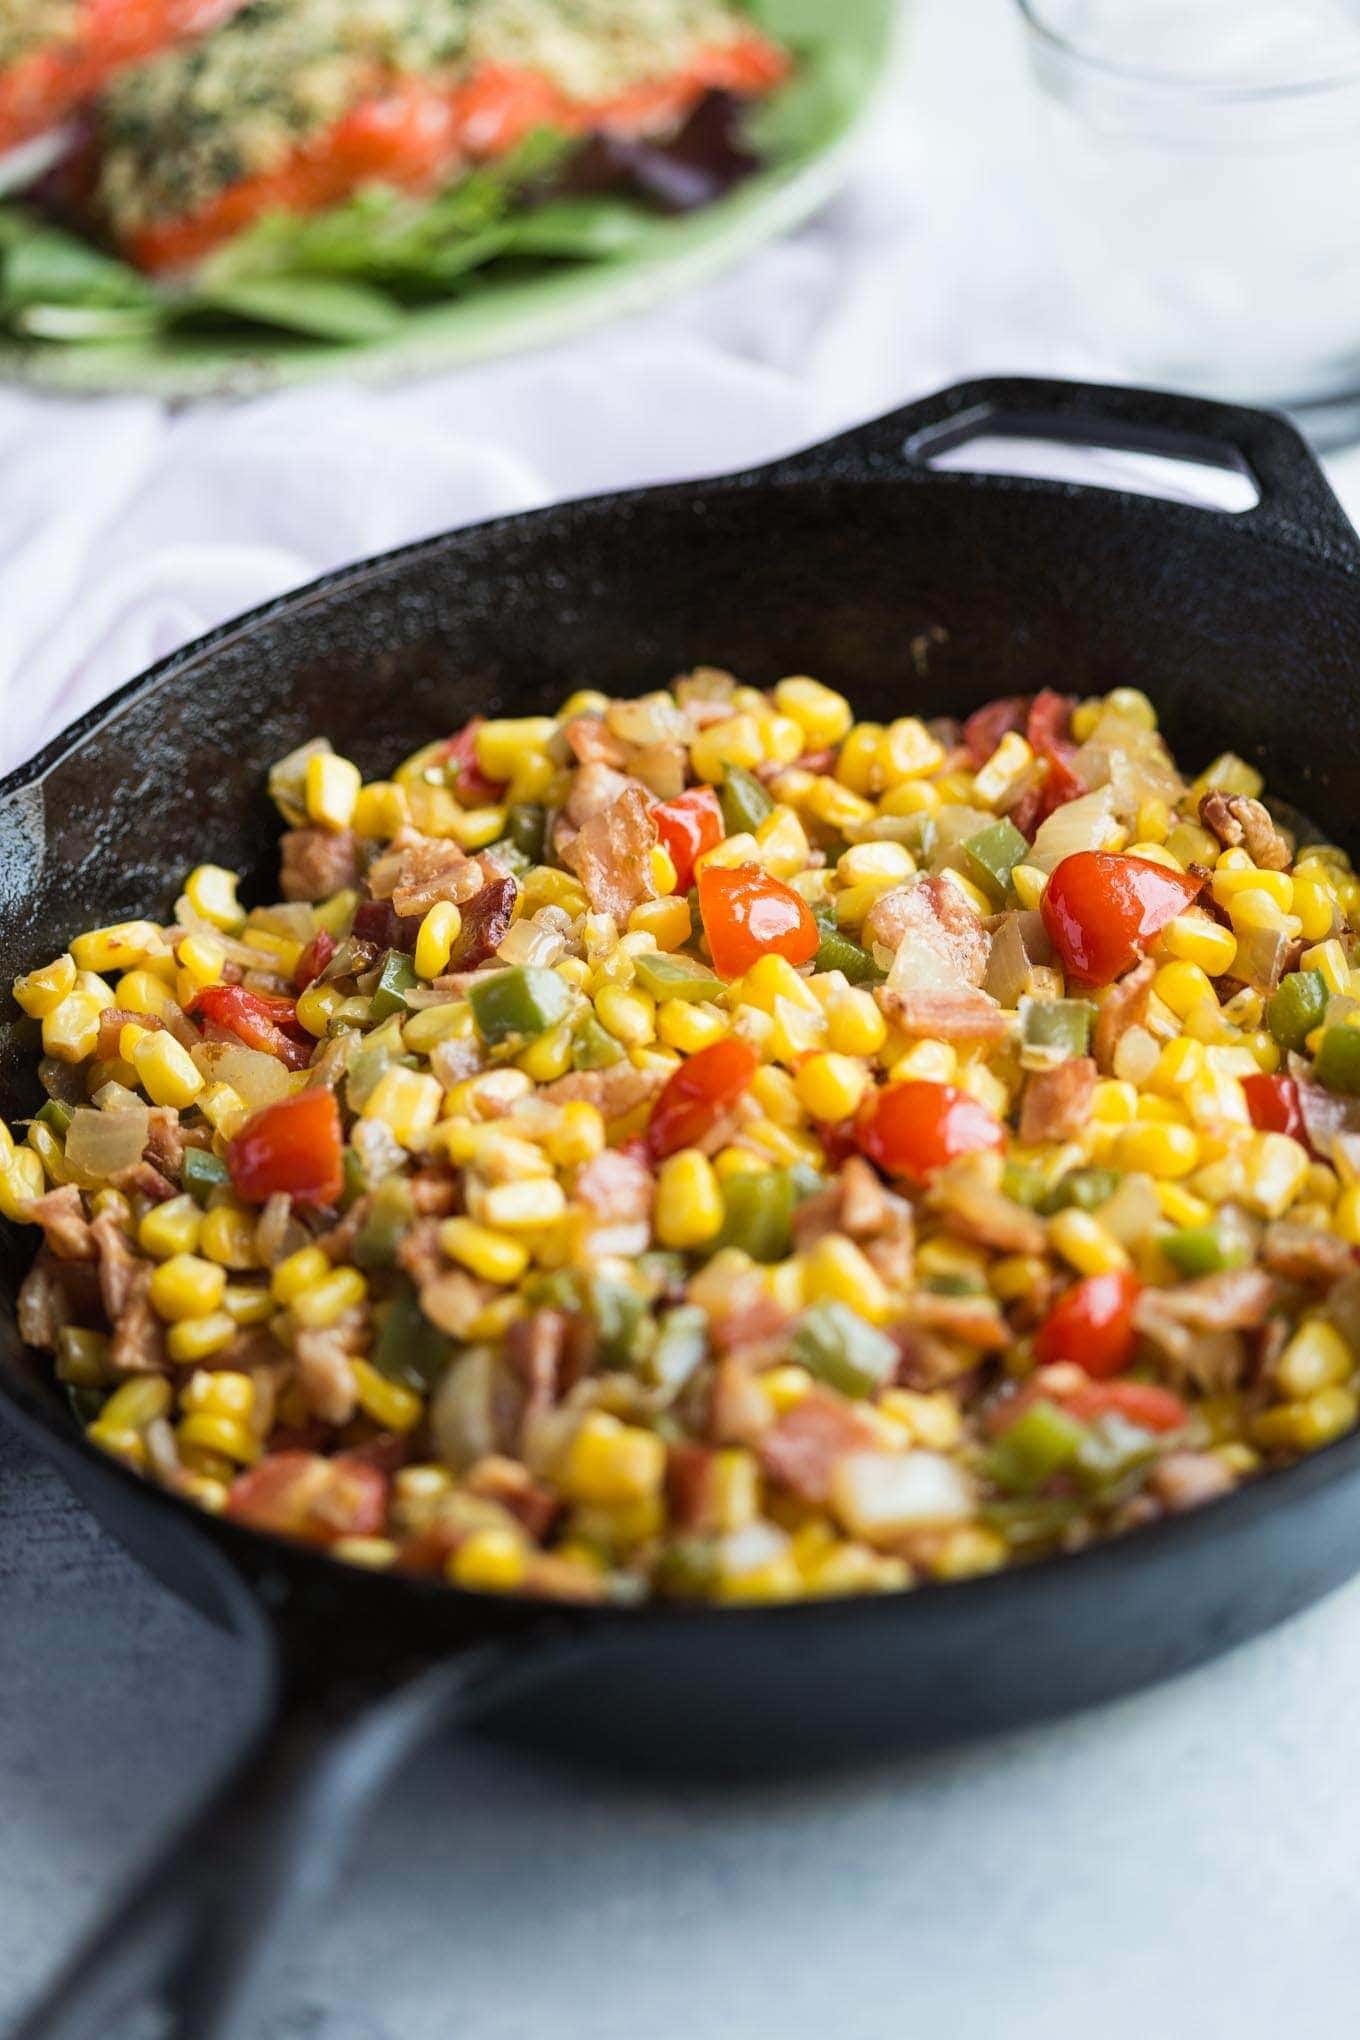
164	1140
536	1348
593	789
1235	818
934	909
617	1187
973	1320
42	1308
317	862
1124	1005
324	1374
592	742
485	925
112	1021
618	1090
973	1207
66	1230
430	872
1304	1253
1237	1300
144	1179
800	1450
117	1264
138	1342
511	1486
612	855
965	1015
1057	1102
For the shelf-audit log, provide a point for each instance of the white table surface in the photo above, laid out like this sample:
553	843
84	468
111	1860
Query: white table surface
1183	1862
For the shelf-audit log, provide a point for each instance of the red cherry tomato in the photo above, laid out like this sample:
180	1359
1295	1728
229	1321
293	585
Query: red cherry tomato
302	1494
466	777
913	1129
697	1094
1091	1324
1138	1402
257	1020
295	1147
1273	1103
1102	909
687	826
747	915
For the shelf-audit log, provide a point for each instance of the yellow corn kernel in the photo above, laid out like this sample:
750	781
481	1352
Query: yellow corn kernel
439	931
490	1561
1316	1357
224	1109
786	1386
325	1302
211	892
667	921
536	778
21	1180
690	1025
1231	880
936	1062
838	806
1198	940
391	1406
1182	987
836	1270
1153	822
124	946
912	797
201	962
771	978
474	828
689	1201
578	1136
907	750
732	851
1330	958
1306	1426
734	741
1346	1216
662	868
608	1463
548	1056
484	1252
503	741
245	1304
186	1286
433	1024
280	954
738	1161
544	887
227	1236
1256	909
299	1272
42	991
882	864
198	1338
630	1016
166	1071
774	1091
1276	1171
1181	1062
407	1102
1315	906
380	809
1029	883
824	717
1165	1150
1004	772
854	1024
831	1087
170	1228
857	766
1114	1103
138	1403
1086	1243
1181	1207
141	991
70	1031
331	790
317	1006
519	1207
205	1431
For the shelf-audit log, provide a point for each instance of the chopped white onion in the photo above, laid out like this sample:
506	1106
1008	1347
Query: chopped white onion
880	1495
1084	824
102	1143
260	1079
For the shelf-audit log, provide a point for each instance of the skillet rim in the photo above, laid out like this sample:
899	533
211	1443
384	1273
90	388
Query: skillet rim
814	467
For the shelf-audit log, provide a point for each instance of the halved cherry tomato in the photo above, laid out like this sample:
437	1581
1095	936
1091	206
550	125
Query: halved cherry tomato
257	1020
294	1147
697	1094
303	1495
987	725
314	958
1091	1324
467	778
1101	910
913	1129
687	826
1138	1402
1273	1103
747	915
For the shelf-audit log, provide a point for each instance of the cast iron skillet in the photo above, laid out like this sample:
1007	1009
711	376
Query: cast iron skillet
907	589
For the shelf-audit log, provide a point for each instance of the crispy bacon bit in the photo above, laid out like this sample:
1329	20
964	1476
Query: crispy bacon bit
164	1141
486	923
691	1488
61	1215
138	1343
973	1320
617	1187
434	1192
1237	1300
317	862
800	1450
1304	1253
965	1015
378	926
618	1090
973	1207
594	788
1057	1102
430	872
1124	1005
143	1179
1235	818
324	1373
612	855
592	742
42	1308
936	910
536	1348
117	1264
512	1487
112	1021
739	1409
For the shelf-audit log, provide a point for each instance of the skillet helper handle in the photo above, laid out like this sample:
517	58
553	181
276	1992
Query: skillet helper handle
1297	506
202	1933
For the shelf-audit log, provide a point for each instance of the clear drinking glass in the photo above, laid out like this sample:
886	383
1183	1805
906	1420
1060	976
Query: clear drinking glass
1203	158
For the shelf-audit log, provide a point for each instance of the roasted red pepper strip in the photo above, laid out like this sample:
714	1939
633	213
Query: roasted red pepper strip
257	1020
687	826
304	1495
913	1129
1091	1325
1273	1103
1101	910
294	1147
747	915
698	1093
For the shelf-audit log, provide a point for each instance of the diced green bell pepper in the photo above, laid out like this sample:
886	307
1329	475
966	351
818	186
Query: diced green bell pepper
203	1172
1042	1441
525	825
524	1001
744	801
1087	1189
1023	1184
758	1214
355	1181
1113	1454
1056	1028
1198	1250
396	978
1337	1063
621	1318
1032	1521
992	854
1297	1007
57	1116
593	1047
838	952
680	1347
408	1348
389	1217
675	977
842	1349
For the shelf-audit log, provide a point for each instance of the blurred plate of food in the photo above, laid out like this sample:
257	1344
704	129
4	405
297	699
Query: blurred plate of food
251	195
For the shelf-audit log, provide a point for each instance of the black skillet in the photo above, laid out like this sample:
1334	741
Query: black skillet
907	589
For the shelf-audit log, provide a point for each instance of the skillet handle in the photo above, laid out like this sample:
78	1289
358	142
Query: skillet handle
202	1933
1297	507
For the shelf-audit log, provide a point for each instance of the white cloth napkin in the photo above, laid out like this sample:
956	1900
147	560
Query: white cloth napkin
126	529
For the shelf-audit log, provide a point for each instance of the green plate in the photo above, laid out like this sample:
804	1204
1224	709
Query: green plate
816	117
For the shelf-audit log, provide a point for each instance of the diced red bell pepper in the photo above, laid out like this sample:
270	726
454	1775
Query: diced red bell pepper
1102	909
467	778
303	1495
1273	1103
256	1019
687	826
314	958
987	725
915	1128
697	1094
1138	1402
1091	1325
294	1147
747	915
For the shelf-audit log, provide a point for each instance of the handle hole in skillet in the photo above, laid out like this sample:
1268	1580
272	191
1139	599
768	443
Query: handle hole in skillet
1209	477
